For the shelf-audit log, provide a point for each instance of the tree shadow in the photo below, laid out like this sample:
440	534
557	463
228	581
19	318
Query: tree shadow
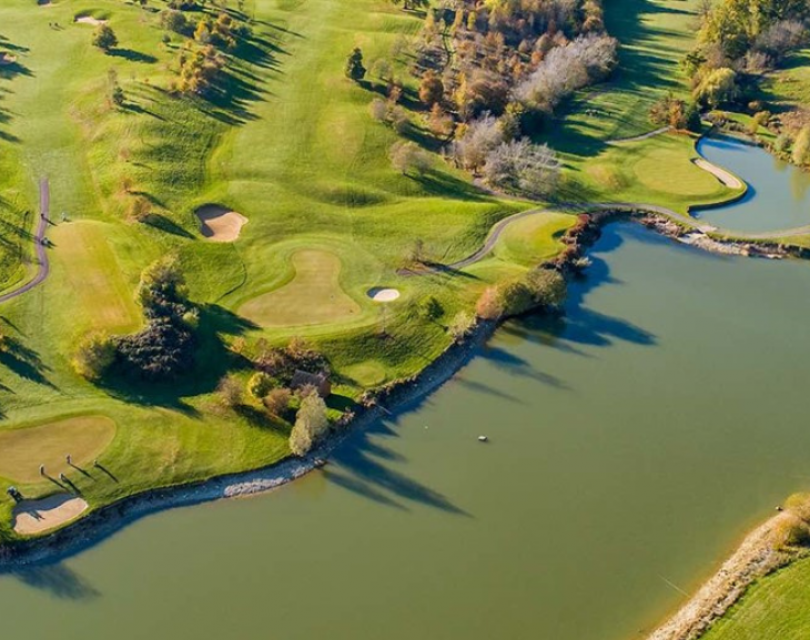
58	580
24	362
132	56
362	465
163	223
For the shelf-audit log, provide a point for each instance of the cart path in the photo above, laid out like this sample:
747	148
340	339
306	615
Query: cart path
694	223
39	246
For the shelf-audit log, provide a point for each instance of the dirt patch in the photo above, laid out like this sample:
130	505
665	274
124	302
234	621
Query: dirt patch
727	178
219	224
383	294
89	20
36	516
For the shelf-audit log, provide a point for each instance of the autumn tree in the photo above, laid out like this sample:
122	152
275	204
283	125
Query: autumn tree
311	424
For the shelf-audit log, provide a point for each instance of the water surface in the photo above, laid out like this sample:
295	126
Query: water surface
778	196
632	445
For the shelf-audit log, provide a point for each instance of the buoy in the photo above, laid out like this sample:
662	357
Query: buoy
483	439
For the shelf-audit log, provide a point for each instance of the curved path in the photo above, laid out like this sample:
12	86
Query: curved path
39	245
497	230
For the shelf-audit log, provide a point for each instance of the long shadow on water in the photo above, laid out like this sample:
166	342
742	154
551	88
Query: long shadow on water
58	580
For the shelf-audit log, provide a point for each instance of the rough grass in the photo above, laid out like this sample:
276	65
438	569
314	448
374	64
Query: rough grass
23	450
313	296
775	607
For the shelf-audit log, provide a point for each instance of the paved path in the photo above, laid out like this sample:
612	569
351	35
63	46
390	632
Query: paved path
39	246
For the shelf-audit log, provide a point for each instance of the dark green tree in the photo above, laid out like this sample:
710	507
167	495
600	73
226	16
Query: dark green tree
354	65
104	38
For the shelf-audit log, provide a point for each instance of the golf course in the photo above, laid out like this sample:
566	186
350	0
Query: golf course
230	230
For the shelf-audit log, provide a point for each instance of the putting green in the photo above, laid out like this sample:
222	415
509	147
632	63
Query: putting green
314	296
23	450
666	168
532	239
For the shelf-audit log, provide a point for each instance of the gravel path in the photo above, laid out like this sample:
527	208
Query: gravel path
39	246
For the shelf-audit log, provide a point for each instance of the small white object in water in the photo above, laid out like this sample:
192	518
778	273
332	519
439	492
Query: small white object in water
483	439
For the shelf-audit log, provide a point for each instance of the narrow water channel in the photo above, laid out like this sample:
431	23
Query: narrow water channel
631	445
778	196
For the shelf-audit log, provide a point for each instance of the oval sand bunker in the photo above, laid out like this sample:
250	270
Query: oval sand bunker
35	516
383	294
219	224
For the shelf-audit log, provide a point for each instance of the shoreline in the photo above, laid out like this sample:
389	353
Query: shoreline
753	559
103	522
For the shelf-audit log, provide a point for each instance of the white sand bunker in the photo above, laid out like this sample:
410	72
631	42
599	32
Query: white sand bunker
727	178
89	20
220	224
381	294
35	516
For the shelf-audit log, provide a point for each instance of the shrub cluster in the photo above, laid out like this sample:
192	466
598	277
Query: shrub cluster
540	288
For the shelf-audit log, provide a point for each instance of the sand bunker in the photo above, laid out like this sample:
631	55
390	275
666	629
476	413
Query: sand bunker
382	294
728	179
89	20
36	516
218	224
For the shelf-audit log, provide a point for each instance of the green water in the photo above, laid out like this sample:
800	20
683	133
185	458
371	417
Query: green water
632	445
778	196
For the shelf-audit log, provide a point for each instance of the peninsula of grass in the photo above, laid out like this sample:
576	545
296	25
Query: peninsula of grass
287	141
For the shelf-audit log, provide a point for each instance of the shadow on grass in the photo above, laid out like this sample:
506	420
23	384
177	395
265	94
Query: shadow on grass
163	223
132	56
24	362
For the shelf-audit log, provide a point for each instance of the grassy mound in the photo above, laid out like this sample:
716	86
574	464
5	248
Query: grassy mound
533	239
22	450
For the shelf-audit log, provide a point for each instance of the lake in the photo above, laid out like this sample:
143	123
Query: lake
778	196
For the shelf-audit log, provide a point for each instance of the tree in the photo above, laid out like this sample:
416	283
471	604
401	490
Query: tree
104	38
407	157
801	147
461	326
354	65
95	355
522	167
311	424
277	401
477	140
718	87
431	89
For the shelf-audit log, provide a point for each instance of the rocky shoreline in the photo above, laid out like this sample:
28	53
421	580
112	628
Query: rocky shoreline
753	559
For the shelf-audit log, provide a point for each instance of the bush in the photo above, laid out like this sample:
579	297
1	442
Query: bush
407	157
277	402
95	355
799	505
260	385
229	391
547	287
790	532
461	326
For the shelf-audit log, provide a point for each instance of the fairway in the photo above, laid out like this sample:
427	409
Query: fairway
314	296
23	450
534	238
96	283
